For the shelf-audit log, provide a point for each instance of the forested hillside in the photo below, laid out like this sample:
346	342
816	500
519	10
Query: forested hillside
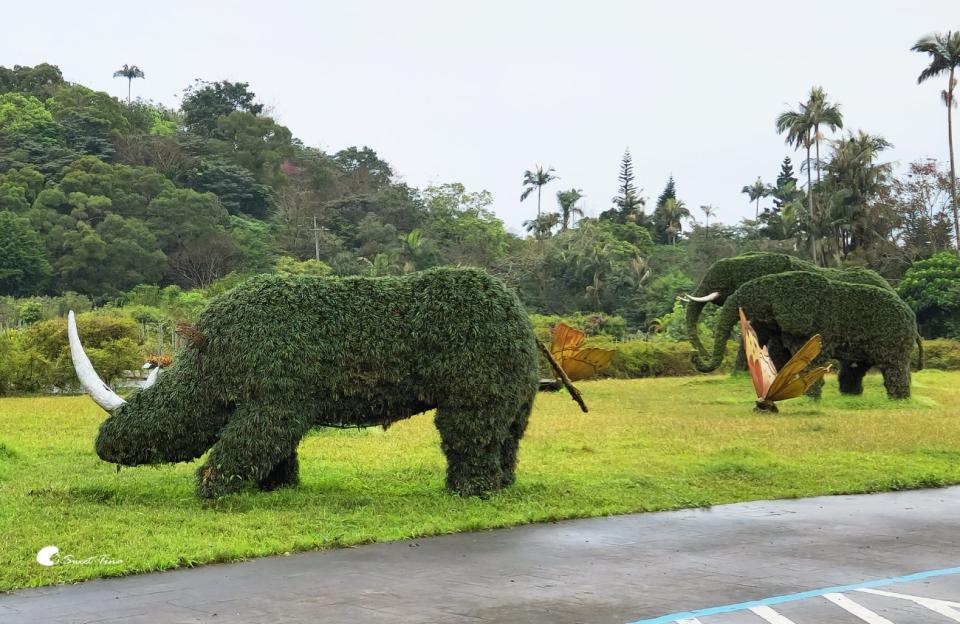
127	202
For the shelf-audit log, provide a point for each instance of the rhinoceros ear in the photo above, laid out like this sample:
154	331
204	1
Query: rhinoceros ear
91	382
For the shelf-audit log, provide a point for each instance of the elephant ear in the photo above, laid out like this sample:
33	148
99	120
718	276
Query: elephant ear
578	363
794	380
762	370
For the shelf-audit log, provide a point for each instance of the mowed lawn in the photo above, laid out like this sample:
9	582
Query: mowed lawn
646	445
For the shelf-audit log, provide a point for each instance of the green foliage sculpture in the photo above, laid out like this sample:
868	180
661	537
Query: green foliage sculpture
861	325
729	274
279	355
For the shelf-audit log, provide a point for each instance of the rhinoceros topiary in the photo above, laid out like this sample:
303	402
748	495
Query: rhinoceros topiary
277	356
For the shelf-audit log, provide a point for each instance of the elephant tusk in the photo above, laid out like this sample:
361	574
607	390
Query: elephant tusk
91	382
151	378
704	299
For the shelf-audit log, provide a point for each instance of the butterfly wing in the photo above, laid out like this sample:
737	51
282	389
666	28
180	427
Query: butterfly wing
799	384
586	363
566	341
792	380
762	370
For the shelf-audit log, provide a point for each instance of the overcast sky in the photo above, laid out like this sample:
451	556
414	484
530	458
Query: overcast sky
477	92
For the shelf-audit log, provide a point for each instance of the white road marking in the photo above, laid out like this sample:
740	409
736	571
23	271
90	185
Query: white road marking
945	608
689	621
856	609
771	616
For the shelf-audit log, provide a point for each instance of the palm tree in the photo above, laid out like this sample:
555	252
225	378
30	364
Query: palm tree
854	180
129	72
567	201
822	112
542	225
536	180
708	211
798	126
674	211
944	51
757	191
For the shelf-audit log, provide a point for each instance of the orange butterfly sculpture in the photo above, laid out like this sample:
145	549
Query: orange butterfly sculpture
577	362
792	381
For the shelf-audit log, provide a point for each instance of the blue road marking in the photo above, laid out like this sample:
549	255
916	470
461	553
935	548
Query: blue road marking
813	593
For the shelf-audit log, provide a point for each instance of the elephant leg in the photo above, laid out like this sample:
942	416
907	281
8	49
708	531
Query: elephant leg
473	447
740	364
896	379
260	437
778	352
509	447
851	376
284	473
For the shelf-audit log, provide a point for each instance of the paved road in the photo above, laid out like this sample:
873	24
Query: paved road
636	568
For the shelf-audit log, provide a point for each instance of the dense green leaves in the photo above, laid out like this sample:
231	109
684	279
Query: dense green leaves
23	262
204	103
280	355
932	288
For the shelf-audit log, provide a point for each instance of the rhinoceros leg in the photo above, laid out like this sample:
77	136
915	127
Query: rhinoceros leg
285	473
472	440
260	436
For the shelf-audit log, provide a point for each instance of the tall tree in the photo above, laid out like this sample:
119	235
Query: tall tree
628	202
798	127
757	191
206	102
852	185
674	211
669	192
567	201
708	211
537	180
542	226
129	72
944	51
822	113
786	183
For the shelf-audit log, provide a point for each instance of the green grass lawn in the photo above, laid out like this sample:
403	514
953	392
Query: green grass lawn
646	445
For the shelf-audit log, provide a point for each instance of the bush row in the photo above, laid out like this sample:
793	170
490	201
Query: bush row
36	359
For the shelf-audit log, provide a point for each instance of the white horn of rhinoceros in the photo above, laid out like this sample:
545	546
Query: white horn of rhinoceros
91	382
705	298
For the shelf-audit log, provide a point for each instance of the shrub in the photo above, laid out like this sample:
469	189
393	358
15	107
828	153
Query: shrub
592	324
640	358
44	357
931	288
942	354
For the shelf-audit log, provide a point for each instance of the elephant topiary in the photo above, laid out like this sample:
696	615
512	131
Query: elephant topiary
725	276
277	356
861	325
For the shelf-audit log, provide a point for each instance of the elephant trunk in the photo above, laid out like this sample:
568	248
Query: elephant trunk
695	305
725	323
694	308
